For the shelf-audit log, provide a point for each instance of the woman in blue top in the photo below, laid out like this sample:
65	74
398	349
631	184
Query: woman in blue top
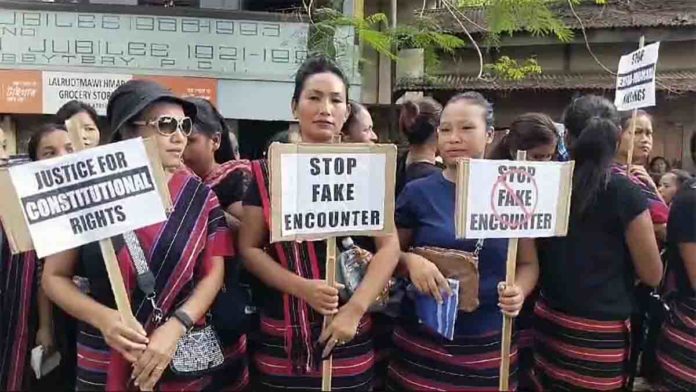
425	217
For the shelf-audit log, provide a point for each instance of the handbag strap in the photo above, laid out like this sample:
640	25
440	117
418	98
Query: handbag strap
145	277
479	247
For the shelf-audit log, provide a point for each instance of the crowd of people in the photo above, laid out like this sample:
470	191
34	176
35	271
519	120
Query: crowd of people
612	300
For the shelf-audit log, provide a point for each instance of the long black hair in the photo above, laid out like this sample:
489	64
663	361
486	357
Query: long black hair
210	122
529	130
38	135
593	126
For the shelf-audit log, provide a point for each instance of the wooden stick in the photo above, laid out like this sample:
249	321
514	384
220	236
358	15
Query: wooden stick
510	269
327	364
118	286
634	117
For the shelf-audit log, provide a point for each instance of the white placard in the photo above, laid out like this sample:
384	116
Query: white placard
93	89
513	199
87	196
635	82
322	194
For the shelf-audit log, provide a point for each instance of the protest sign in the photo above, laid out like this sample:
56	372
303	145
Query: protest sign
635	82
511	199
87	196
321	191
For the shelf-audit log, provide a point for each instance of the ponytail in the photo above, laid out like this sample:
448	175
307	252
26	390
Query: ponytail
502	150
593	151
419	119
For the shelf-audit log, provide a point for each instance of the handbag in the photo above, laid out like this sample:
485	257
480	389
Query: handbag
459	265
199	351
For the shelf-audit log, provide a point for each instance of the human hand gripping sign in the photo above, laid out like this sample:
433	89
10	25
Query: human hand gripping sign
510	299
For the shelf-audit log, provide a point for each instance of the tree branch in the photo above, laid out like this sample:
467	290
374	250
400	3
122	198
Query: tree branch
587	42
466	31
308	9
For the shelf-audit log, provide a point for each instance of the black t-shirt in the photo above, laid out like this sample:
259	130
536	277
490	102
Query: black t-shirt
589	273
681	228
407	173
231	189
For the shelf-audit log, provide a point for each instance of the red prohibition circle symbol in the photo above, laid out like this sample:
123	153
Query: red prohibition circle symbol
502	182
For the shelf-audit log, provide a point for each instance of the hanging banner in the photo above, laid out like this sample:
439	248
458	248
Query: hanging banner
635	82
321	191
512	199
87	196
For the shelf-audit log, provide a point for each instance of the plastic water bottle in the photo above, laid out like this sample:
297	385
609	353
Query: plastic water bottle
353	261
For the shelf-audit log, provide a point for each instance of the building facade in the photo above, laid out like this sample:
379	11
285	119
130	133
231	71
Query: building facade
568	68
242	55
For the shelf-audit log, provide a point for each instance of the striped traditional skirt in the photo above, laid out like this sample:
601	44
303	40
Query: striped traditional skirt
423	361
676	350
94	357
573	353
353	363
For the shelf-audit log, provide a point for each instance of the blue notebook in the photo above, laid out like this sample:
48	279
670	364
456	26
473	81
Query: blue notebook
440	318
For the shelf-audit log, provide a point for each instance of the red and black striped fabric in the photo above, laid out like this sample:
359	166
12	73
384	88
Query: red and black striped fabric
18	315
423	361
676	353
287	356
353	362
179	252
572	353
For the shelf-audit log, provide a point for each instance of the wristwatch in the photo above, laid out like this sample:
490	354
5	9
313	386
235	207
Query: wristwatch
184	319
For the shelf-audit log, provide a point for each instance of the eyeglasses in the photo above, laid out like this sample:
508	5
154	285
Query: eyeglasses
168	125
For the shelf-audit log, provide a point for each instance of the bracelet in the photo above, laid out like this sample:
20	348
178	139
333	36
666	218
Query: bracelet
184	319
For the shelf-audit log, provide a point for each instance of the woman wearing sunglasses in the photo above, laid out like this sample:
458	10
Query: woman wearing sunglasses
296	296
185	254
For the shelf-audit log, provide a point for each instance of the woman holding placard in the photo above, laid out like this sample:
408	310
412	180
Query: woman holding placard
642	147
27	312
536	134
582	334
425	211
185	257
296	296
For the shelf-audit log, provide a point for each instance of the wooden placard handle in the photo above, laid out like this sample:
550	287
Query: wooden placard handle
506	342
327	364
